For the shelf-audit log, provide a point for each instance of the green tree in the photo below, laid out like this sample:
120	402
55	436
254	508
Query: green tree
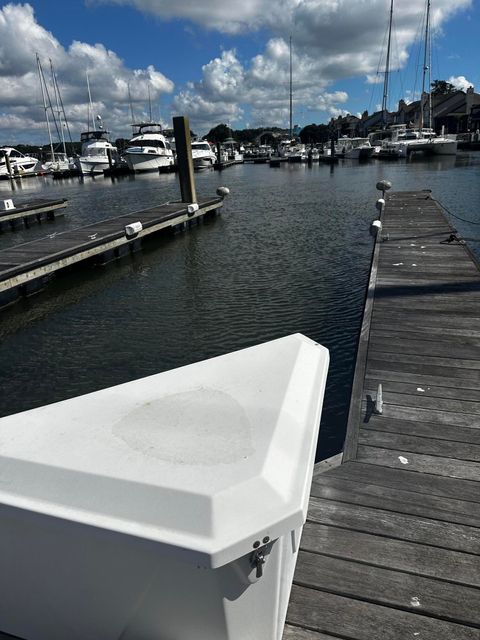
219	133
442	87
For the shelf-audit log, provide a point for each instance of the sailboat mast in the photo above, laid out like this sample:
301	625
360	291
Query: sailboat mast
149	103
387	68
57	100
291	92
42	84
426	67
90	107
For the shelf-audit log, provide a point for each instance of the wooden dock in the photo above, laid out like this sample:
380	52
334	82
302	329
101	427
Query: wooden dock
25	269
391	548
30	212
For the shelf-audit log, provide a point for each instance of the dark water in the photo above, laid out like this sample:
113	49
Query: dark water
290	252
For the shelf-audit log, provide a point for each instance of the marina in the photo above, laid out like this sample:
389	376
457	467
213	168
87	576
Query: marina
243	404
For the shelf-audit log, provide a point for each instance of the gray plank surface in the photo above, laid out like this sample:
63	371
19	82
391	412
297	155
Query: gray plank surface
391	547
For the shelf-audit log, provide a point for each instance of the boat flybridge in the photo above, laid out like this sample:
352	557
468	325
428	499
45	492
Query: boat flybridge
97	152
149	149
13	163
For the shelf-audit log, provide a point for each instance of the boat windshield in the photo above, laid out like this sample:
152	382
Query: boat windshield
201	146
148	142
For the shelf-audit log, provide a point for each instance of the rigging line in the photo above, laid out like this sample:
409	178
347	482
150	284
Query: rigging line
454	215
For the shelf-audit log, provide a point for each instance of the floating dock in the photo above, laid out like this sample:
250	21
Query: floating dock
27	213
391	548
25	269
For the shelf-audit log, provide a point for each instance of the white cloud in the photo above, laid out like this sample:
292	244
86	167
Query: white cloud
21	108
333	40
460	82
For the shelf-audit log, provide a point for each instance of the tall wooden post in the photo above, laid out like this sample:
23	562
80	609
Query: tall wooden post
8	165
181	131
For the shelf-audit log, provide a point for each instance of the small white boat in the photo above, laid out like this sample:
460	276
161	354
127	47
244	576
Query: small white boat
297	153
59	162
202	155
149	149
97	153
16	164
354	148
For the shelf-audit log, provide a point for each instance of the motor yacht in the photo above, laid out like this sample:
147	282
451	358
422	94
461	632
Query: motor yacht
97	153
149	149
13	163
354	148
202	155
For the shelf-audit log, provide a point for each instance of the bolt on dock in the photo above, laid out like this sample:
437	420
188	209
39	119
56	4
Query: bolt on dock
391	547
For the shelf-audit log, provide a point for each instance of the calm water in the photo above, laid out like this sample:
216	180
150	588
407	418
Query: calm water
290	252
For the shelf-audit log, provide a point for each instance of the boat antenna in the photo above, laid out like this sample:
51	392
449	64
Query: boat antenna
90	107
387	69
426	68
291	92
45	108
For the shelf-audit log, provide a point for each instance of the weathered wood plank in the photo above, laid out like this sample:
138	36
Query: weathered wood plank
422	429
297	633
357	620
380	585
422	483
420	463
415	444
398	500
394	525
398	555
418	414
421	400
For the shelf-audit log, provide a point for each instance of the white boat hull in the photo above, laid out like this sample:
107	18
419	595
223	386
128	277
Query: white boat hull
435	146
147	161
91	166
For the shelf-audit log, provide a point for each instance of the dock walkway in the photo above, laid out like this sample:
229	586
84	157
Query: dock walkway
27	266
391	548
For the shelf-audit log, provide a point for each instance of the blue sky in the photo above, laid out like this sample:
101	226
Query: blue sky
221	60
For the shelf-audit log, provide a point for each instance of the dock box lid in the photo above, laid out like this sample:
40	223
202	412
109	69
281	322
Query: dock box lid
204	460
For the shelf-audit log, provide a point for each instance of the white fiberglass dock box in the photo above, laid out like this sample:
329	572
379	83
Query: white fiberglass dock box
168	508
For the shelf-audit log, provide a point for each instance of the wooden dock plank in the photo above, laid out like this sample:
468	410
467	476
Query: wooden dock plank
414	444
395	525
436	465
421	483
406	591
398	500
398	555
354	619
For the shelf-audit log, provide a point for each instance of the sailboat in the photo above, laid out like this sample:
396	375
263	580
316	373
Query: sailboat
56	160
424	138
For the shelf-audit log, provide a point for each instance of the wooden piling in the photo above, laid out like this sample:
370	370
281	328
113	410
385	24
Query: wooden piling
181	130
8	165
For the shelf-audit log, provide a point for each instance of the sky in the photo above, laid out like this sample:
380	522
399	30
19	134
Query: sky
221	61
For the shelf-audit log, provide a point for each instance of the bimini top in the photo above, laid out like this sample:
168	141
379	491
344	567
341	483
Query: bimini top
205	460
